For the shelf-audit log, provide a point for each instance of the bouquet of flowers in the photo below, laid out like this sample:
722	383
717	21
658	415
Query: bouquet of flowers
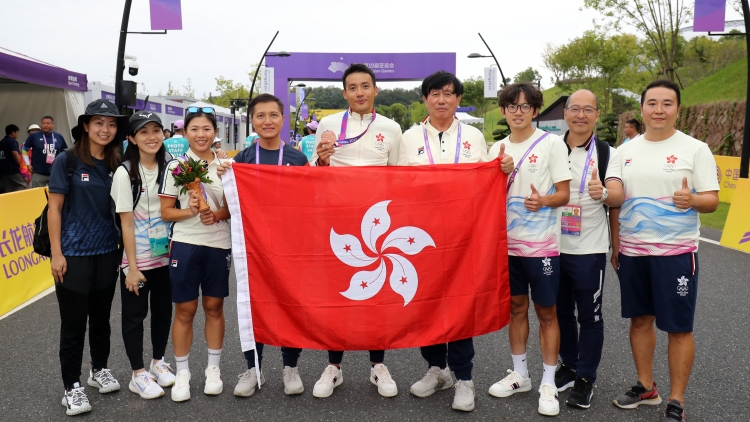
190	174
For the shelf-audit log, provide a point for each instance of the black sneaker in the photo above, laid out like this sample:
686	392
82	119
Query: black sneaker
674	412
637	396
564	377
580	395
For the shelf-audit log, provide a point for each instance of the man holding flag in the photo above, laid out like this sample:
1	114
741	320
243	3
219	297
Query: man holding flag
434	141
357	137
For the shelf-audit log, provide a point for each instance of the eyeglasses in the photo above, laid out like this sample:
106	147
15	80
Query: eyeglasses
525	108
207	110
587	111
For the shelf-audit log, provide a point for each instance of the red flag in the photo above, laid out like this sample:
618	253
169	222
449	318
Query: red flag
368	258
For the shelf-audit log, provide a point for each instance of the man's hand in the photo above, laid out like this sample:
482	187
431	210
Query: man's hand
31	169
225	165
325	148
683	198
596	189
534	201
506	161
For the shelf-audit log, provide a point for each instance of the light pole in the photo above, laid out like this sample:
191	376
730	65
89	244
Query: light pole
234	104
477	55
252	85
745	156
296	118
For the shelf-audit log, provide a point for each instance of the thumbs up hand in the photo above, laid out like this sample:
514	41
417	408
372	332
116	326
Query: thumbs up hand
683	198
506	161
596	189
533	202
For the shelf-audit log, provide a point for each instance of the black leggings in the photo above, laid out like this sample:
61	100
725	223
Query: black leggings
134	311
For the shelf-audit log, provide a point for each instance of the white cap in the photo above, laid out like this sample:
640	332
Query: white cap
33	126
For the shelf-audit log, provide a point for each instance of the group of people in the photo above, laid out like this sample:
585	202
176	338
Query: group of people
17	170
653	187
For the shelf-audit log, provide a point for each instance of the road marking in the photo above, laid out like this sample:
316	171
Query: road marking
28	302
713	242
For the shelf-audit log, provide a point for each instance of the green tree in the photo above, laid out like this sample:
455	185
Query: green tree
474	96
503	131
227	89
528	75
659	21
417	111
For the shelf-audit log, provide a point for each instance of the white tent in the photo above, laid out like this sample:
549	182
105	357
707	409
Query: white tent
30	89
467	118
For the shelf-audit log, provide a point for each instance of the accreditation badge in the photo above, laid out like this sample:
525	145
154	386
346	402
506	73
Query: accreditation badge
571	220
158	241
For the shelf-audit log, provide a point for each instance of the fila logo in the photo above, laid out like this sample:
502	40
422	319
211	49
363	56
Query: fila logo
628	162
420	150
84	177
174	263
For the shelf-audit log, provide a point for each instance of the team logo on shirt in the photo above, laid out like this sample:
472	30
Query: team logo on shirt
466	152
174	263
420	150
84	177
682	286
380	142
628	162
669	167
532	167
547	266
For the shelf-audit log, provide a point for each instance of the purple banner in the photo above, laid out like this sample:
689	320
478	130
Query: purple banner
219	118
166	14
108	96
174	111
331	66
20	69
140	105
709	15
303	111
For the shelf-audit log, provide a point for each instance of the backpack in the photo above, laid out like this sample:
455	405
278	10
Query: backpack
602	152
42	244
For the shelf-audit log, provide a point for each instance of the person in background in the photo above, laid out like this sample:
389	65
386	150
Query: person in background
167	133
10	161
632	129
251	138
33	128
177	145
40	150
307	144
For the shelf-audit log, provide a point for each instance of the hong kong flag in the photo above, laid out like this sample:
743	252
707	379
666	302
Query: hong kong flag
368	258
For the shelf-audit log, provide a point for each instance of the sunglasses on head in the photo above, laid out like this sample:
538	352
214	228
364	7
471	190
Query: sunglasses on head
206	110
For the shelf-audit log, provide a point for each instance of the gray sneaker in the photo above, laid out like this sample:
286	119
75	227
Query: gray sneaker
75	401
463	399
103	380
637	396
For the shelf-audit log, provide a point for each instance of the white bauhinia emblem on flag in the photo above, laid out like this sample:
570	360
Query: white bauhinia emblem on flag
409	240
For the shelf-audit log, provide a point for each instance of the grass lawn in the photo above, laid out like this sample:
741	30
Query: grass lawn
728	84
716	219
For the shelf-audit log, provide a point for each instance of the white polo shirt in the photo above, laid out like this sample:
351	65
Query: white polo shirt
378	147
192	230
594	230
650	223
413	152
534	234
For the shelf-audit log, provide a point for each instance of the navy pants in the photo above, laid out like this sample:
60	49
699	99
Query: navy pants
457	354
290	355
581	288
336	357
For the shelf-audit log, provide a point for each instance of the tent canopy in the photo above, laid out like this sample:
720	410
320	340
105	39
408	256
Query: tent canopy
467	118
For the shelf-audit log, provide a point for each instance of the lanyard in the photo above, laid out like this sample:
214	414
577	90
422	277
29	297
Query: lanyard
342	135
429	151
512	176
257	152
45	140
592	147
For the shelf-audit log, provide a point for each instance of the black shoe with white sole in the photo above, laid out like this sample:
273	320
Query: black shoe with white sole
580	395
564	377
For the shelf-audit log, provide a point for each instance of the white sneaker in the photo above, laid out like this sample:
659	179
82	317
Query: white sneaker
144	384
75	401
292	381
463	399
435	379
214	385
549	404
380	376
181	387
332	377
512	384
103	380
248	382
162	372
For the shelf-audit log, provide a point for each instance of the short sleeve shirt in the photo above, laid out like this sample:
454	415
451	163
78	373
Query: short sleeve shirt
534	234
39	143
146	215
650	223
291	157
594	234
192	230
8	164
176	145
307	146
88	226
445	147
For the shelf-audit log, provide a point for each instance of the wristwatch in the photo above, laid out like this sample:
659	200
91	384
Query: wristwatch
605	194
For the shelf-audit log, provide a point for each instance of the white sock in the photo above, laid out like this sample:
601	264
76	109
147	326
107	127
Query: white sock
214	357
182	362
519	365
548	376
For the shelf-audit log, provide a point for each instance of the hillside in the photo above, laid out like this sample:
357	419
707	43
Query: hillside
729	84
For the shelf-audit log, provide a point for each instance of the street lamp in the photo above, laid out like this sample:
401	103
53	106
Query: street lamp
477	55
252	86
296	116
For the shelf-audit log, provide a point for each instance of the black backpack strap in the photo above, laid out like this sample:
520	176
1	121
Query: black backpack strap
602	152
71	163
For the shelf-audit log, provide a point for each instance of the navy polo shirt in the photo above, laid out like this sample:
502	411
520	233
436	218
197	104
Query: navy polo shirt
8	164
36	146
292	157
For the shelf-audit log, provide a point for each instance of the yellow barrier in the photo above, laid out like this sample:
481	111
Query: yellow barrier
24	274
728	172
232	153
737	229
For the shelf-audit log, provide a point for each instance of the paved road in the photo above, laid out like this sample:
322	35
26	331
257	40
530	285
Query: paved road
30	386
